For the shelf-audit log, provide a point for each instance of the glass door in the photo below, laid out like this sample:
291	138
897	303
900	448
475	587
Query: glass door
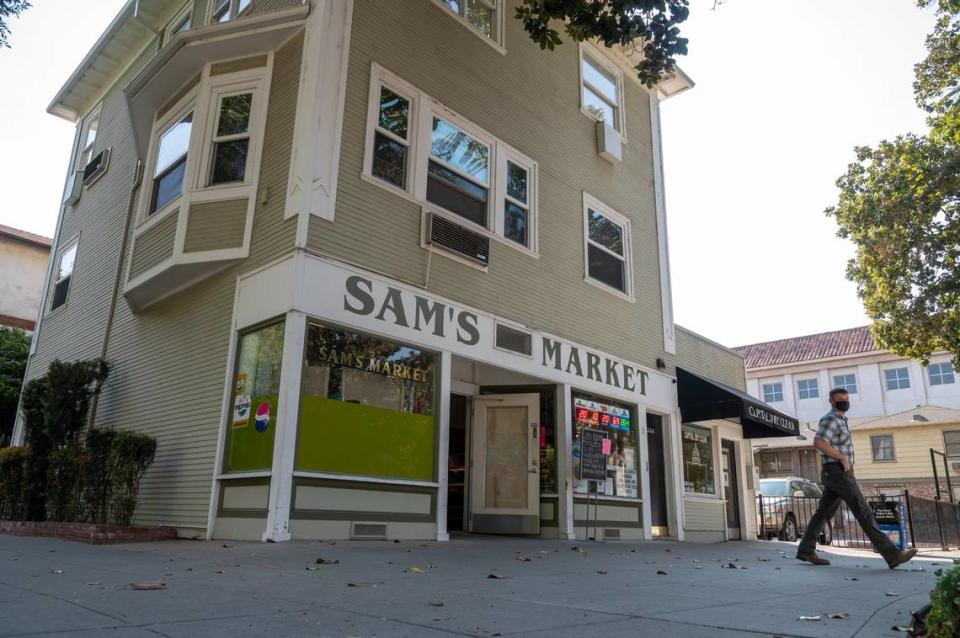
505	465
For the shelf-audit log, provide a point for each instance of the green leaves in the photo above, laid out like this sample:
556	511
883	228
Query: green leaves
899	204
649	25
14	349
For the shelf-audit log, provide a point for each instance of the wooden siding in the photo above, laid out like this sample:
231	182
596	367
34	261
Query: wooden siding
700	355
170	360
215	225
911	448
530	99
154	245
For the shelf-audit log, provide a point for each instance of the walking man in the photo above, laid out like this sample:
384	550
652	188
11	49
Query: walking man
835	445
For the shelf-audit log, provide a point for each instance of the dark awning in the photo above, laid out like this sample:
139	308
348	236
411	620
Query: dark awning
703	399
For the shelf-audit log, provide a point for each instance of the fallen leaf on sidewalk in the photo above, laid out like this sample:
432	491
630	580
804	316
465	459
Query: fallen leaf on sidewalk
892	593
732	566
850	578
436	603
361	584
668	550
227	546
842	615
763	560
602	572
150	586
662	572
413	570
95	583
56	571
812	618
902	628
324	561
521	557
494	576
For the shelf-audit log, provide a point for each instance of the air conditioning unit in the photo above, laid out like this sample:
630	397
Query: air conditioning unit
74	188
446	234
609	142
96	167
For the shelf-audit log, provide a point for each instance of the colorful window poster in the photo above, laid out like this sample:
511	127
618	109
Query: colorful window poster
620	445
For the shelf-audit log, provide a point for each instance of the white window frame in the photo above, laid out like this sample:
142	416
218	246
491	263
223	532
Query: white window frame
763	391
873	451
85	152
940	373
591	202
423	109
886	379
943	436
73	242
598	59
205	178
233	12
183	13
837	384
801	390
499	22
204	101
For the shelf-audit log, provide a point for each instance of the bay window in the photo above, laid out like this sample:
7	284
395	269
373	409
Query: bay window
421	150
224	10
232	139
170	162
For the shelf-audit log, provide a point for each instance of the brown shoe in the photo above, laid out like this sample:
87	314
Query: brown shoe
900	557
811	557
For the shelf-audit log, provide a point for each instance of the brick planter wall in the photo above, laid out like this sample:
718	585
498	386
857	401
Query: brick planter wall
89	532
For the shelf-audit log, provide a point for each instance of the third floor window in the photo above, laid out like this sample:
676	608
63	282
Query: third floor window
224	10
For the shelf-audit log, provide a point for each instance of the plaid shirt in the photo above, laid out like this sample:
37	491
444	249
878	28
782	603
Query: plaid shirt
834	430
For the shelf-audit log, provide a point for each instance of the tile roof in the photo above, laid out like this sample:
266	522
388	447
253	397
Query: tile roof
22	235
818	346
924	415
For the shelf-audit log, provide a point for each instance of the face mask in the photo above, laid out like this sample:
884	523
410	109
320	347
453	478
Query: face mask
842	406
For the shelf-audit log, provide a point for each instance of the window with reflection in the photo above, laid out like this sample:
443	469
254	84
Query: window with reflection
481	14
366	407
170	163
231	140
698	470
606	254
458	173
616	422
391	139
600	91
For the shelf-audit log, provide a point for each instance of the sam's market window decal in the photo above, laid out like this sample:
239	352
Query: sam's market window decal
619	445
366	407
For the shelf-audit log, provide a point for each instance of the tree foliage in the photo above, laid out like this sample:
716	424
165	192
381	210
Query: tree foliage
900	205
14	349
650	26
9	9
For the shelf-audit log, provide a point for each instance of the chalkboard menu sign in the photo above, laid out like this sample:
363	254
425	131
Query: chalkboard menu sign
593	462
886	512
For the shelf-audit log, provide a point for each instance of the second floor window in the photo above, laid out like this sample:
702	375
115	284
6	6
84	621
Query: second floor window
897	378
231	139
882	447
600	90
773	392
224	10
606	241
808	389
171	162
61	285
846	381
951	443
941	373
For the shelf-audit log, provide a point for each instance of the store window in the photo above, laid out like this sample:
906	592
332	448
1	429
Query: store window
615	420
366	407
882	448
698	471
256	386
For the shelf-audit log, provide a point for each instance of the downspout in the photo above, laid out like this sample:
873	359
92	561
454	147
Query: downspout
121	257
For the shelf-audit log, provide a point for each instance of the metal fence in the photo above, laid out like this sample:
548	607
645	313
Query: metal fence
923	522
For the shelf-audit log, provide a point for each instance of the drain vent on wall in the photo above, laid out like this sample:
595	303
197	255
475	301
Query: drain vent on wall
372	531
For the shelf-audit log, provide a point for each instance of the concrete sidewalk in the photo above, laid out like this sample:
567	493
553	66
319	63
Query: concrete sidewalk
57	588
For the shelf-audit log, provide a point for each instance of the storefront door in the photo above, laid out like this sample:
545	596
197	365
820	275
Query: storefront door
505	464
731	491
658	481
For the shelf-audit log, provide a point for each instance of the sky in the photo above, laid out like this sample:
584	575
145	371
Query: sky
785	89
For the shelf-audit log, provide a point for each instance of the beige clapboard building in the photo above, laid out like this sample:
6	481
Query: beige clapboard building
369	269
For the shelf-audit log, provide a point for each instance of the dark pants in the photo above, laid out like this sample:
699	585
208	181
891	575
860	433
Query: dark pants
842	486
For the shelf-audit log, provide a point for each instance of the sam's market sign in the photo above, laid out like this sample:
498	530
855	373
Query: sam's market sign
366	298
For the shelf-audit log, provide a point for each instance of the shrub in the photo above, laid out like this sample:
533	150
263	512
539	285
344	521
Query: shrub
130	456
97	480
64	482
943	619
13	462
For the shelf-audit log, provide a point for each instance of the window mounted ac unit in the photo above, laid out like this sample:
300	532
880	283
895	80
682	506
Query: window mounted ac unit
96	167
609	142
448	235
74	188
